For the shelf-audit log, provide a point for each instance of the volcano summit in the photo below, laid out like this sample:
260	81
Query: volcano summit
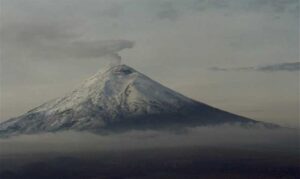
118	99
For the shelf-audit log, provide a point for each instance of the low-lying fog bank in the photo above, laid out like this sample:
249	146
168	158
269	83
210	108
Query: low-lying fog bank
281	140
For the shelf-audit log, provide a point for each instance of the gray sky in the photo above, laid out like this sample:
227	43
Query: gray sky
48	47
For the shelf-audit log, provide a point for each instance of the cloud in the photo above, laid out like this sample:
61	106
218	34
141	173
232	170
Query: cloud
54	41
230	69
114	11
289	67
222	136
168	11
30	46
92	49
294	66
277	6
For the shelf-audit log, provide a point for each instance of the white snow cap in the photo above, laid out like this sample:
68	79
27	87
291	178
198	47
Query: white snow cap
119	87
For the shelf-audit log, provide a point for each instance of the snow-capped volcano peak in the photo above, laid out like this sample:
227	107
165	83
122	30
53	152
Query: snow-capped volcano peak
118	87
117	97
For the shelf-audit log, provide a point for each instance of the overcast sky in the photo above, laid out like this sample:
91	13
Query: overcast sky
236	55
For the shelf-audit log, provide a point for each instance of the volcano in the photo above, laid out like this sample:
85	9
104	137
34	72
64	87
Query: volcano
119	98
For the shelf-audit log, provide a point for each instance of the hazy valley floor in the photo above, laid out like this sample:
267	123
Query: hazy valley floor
200	152
183	162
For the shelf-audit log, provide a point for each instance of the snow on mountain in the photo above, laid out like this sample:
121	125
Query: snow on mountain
117	97
118	88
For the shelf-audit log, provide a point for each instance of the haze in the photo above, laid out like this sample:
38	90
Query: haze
223	136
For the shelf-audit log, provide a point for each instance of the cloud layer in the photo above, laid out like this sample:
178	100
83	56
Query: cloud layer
222	136
289	67
43	41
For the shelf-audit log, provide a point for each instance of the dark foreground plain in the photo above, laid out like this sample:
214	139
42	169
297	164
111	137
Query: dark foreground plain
173	163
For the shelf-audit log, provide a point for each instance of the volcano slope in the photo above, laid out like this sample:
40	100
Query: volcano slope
119	98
